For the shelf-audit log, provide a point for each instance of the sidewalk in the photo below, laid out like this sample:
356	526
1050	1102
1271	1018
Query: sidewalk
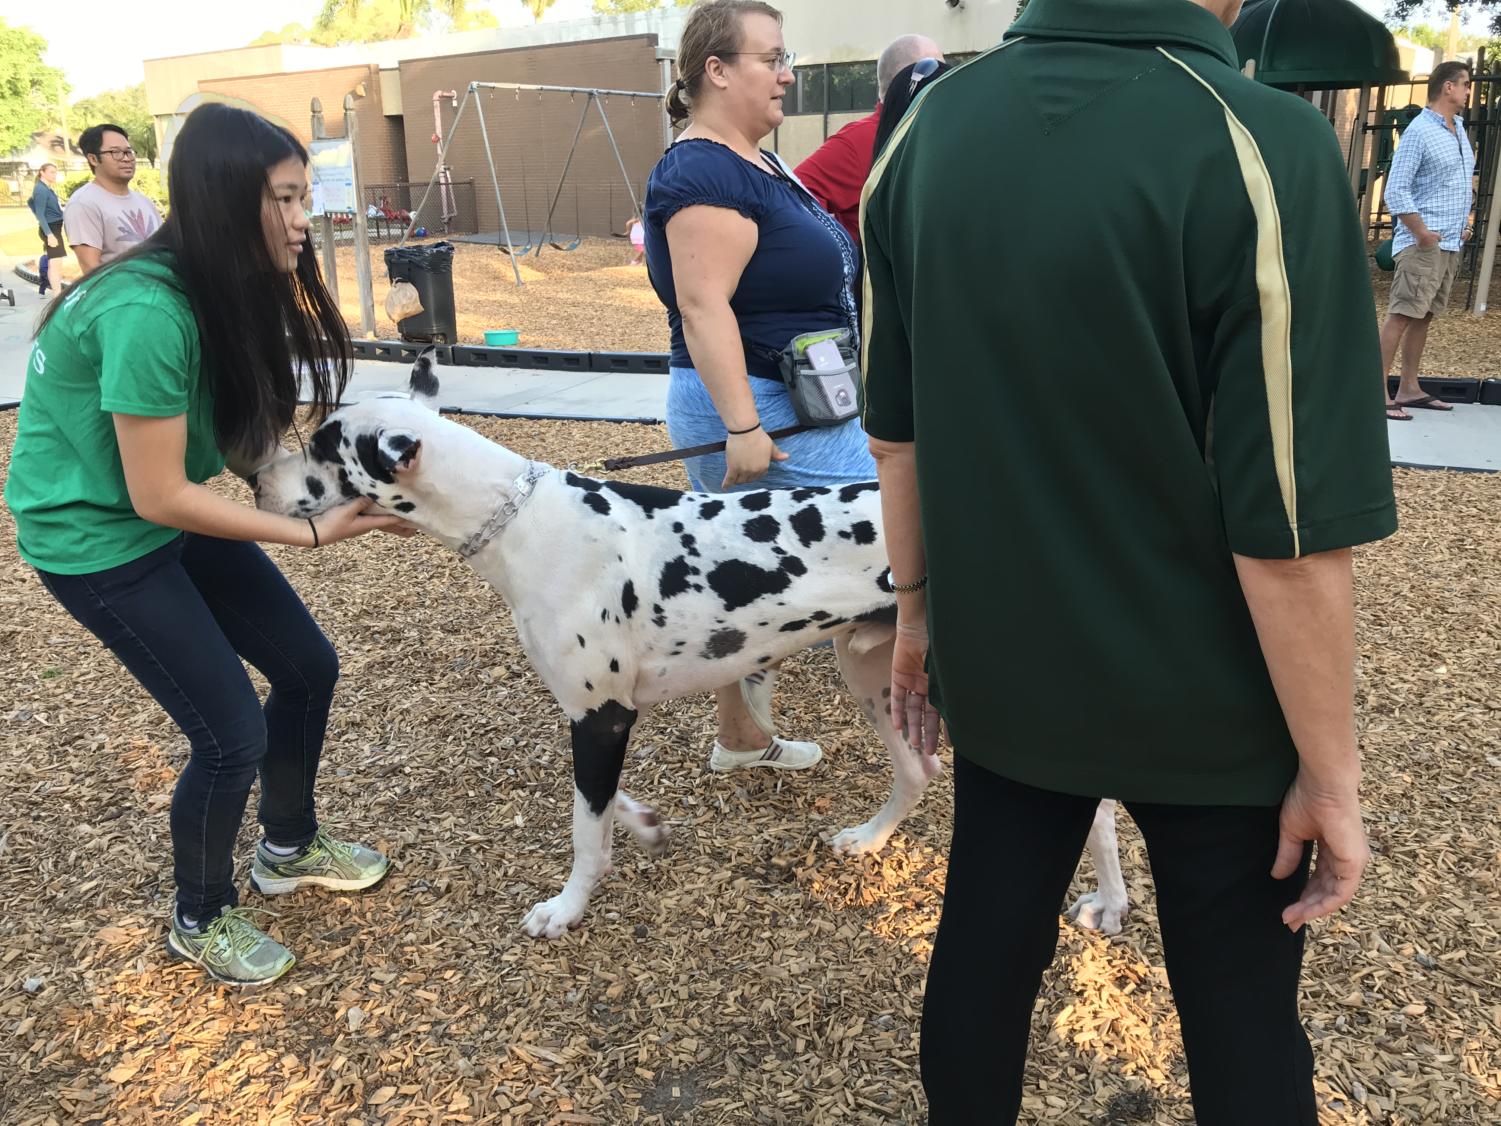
1467	438
529	394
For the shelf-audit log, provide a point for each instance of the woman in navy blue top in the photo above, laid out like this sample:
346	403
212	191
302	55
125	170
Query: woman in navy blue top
49	222
744	259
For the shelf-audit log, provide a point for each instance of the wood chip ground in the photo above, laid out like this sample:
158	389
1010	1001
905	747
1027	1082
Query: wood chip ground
748	977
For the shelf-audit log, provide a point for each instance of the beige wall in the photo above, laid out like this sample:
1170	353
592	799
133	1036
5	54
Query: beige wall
797	137
169	82
831	31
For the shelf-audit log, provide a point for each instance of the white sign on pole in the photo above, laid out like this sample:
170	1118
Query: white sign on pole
332	169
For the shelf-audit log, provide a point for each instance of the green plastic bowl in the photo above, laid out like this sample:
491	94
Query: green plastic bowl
1384	257
500	337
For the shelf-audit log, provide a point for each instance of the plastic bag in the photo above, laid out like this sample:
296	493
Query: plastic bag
403	301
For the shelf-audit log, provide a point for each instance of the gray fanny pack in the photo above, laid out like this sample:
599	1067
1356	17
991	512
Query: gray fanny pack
824	391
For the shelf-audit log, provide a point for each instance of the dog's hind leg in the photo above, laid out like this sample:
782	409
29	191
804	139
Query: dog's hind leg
599	741
1105	908
867	671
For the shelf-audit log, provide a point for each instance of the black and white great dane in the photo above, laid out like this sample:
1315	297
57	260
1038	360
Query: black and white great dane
627	595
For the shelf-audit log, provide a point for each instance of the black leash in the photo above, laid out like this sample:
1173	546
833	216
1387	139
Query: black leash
611	464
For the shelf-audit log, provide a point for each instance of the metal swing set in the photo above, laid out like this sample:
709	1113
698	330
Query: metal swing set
593	97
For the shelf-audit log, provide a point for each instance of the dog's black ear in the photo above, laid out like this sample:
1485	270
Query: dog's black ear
424	383
398	450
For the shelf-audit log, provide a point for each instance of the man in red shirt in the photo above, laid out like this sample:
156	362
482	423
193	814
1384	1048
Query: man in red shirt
837	169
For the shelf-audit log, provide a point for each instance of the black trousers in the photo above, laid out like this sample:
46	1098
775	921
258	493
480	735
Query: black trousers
1232	963
180	619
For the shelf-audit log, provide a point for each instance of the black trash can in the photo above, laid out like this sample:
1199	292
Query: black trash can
430	268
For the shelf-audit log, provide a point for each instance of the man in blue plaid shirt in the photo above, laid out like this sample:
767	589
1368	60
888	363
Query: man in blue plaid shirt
1429	193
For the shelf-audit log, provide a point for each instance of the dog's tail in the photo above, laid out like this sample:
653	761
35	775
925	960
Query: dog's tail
756	691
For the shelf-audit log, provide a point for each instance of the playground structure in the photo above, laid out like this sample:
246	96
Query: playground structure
535	238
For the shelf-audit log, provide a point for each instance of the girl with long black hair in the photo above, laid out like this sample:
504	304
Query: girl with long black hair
158	369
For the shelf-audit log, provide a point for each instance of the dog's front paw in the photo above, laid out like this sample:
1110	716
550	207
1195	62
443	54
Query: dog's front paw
553	918
1093	912
860	840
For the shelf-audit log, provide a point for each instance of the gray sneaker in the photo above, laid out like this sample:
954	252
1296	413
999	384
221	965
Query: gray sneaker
324	863
231	948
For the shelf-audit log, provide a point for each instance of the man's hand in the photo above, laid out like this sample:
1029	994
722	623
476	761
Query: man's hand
1429	239
1329	815
52	241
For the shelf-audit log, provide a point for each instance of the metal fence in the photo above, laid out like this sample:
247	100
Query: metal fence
449	211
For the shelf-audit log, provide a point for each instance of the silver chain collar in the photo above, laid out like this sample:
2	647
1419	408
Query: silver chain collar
506	511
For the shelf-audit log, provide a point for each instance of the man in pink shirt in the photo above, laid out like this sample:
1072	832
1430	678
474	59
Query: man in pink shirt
836	170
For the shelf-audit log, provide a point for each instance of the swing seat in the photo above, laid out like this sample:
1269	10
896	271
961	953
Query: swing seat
574	245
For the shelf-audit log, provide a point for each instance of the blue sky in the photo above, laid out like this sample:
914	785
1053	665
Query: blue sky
99	44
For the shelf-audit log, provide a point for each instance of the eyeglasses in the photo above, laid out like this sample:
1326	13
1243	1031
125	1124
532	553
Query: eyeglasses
119	154
780	61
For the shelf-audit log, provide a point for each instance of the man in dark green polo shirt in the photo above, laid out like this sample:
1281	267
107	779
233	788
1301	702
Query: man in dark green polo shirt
1120	331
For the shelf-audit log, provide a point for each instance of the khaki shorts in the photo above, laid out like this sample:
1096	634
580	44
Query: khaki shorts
1425	275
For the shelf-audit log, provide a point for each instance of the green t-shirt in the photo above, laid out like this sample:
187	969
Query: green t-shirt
123	343
1118	296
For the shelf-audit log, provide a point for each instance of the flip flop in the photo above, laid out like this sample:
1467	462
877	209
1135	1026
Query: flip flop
1426	403
1403	416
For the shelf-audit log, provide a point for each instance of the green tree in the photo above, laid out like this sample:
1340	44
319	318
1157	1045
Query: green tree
368	21
31	92
1402	10
537	8
613	7
126	108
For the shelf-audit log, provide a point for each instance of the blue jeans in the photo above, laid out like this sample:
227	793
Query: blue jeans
833	455
180	619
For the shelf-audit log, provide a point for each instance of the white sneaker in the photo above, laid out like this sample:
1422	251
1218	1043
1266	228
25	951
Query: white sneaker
780	754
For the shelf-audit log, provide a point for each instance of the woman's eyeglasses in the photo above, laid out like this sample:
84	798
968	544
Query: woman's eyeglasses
780	61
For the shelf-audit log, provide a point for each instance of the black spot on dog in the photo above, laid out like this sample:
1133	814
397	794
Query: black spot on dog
883	581
367	451
883	614
599	741
346	486
588	484
739	583
604	615
755	502
399	442
710	509
762	529
763	660
723	643
372	496
581	639
678	527
886	692
864	532
325	445
794	566
850	492
800	495
832	622
598	503
651	499
658	618
819	615
628	600
674	579
690	545
406	506
588	686
808	524
614	665
793	627
314	488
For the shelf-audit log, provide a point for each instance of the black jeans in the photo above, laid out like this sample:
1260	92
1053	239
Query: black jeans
180	619
1233	965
